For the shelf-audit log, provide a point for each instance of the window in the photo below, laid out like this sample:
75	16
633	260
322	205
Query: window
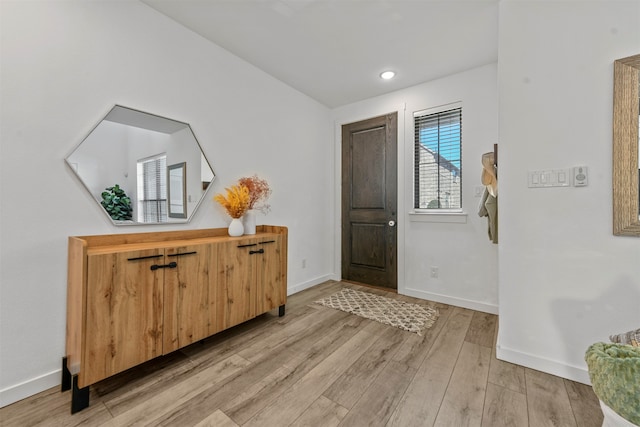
438	160
152	189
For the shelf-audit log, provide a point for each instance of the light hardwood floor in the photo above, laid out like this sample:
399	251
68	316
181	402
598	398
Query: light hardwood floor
322	367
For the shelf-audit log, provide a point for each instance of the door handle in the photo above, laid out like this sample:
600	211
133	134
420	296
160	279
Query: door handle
392	223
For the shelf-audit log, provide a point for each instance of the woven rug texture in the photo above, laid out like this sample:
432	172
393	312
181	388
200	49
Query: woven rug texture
404	315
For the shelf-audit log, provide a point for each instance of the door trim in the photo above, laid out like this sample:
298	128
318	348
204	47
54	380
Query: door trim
404	150
372	149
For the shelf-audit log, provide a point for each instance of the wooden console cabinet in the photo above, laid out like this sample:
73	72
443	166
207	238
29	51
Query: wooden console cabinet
133	297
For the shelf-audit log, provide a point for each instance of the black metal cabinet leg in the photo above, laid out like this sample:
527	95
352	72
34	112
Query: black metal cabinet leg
79	396
66	376
281	310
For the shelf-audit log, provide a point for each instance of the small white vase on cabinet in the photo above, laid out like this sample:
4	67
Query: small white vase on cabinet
236	228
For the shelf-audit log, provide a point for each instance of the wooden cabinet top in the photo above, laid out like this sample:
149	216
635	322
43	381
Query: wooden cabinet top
138	241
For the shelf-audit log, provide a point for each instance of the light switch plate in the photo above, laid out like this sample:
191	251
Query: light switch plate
549	178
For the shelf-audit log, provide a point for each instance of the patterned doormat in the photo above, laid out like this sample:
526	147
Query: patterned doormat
404	315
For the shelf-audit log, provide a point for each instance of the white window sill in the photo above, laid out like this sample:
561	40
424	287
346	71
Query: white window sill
442	217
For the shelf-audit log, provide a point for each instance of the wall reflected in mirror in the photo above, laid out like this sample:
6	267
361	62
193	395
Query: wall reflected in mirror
157	161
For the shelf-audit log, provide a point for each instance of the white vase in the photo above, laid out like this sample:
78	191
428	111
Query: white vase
236	228
249	220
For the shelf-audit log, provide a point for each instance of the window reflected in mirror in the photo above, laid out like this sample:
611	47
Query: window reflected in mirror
152	189
156	162
177	190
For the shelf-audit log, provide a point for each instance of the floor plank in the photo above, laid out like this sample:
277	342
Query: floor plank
127	390
305	358
323	412
250	390
547	400
376	405
415	348
296	399
422	400
585	404
482	329
217	419
504	408
348	388
506	374
157	405
464	399
52	408
285	335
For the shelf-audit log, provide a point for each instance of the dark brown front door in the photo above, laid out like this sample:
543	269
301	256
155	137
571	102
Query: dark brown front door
369	199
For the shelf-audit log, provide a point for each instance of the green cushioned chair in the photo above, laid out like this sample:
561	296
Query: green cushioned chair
614	370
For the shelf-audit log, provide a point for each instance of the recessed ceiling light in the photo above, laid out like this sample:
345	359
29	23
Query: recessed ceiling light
387	75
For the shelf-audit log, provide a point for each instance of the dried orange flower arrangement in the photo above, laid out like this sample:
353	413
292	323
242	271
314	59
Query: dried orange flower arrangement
259	192
236	201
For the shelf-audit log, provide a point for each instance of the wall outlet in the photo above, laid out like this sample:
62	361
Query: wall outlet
304	263
434	272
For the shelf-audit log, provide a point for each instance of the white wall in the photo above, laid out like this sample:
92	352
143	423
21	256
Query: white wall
565	281
64	65
102	159
466	259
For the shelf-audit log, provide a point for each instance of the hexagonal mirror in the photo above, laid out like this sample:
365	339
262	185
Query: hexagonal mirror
142	168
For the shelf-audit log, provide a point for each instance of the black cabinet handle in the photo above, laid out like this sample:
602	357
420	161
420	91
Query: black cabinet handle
268	241
247	245
170	265
144	257
259	251
183	253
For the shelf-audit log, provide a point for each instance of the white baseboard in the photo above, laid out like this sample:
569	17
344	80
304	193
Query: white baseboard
28	388
310	283
554	367
458	302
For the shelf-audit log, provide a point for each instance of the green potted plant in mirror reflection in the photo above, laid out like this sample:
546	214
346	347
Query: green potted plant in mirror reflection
117	204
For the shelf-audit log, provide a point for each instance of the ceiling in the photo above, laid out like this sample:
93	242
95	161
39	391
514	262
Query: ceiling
335	50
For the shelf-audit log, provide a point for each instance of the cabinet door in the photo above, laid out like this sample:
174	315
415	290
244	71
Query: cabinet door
236	281
123	312
271	275
187	292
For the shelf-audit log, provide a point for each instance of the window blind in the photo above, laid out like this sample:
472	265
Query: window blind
152	185
438	160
